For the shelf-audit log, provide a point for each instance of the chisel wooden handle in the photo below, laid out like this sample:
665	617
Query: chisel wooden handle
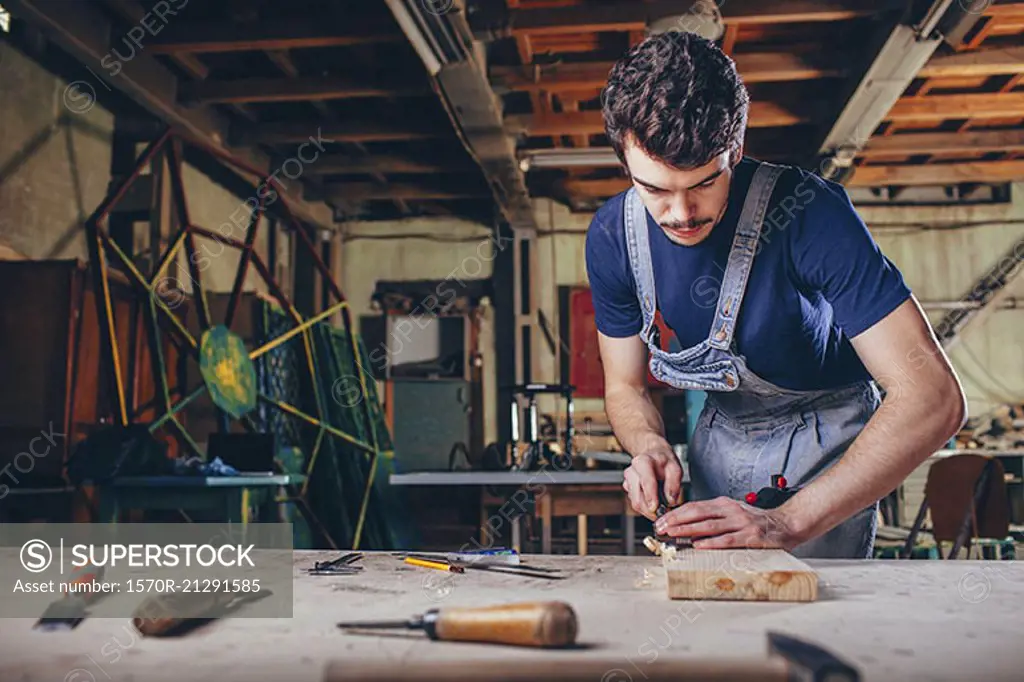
537	624
577	670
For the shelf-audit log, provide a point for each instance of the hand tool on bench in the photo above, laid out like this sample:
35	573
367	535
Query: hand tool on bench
507	557
659	543
789	659
343	565
152	616
436	565
71	609
532	624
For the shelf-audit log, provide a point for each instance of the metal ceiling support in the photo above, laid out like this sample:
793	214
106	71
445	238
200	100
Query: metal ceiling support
439	33
903	53
906	48
83	30
987	295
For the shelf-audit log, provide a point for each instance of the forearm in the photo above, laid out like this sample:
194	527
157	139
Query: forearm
906	430
635	420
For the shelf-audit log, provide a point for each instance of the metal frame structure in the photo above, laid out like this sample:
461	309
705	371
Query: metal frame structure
170	147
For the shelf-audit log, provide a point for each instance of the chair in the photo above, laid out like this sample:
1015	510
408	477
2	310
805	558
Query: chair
966	495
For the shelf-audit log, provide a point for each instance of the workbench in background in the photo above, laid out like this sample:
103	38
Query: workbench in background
579	494
920	620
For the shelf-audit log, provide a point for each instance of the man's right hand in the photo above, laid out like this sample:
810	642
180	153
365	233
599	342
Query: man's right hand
646	473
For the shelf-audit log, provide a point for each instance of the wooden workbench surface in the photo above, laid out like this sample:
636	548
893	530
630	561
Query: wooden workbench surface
922	620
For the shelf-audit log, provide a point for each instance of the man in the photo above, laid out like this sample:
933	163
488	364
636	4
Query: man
787	315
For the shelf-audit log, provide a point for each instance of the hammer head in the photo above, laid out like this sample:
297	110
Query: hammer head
809	662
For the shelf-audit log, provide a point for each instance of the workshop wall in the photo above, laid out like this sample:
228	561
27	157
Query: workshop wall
422	249
54	162
55	155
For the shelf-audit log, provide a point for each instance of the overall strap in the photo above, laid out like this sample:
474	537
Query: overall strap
741	256
639	248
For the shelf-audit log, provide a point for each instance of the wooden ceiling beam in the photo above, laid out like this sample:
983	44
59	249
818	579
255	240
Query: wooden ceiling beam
388	163
368	191
192	37
929	143
593	189
291	133
943	107
761	115
938	174
133	12
753	67
290	90
630	15
984	62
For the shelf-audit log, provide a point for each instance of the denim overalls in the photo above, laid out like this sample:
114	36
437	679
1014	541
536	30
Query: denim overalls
750	428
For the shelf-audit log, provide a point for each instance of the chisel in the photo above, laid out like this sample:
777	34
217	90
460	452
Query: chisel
533	624
70	610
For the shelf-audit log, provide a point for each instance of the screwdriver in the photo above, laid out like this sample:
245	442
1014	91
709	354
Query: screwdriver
534	624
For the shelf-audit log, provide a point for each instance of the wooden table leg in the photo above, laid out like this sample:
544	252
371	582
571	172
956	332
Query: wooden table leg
107	507
545	521
233	503
629	530
581	534
517	534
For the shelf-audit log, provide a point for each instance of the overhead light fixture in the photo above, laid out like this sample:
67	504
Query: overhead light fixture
430	31
703	18
585	157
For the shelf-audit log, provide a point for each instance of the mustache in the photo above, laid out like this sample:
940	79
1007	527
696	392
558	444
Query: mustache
687	225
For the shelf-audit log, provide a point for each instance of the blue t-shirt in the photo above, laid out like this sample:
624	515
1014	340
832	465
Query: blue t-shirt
817	281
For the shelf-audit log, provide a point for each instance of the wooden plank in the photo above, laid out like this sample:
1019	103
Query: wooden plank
739	575
927	143
367	191
132	11
938	174
629	15
388	163
753	67
352	131
762	115
291	90
183	37
986	62
594	188
943	107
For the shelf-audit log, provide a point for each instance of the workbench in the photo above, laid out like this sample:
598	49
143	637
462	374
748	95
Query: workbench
227	497
566	493
921	620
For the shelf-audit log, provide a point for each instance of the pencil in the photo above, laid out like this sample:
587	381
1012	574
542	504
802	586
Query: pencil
437	565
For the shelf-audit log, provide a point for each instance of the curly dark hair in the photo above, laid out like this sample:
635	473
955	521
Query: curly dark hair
680	97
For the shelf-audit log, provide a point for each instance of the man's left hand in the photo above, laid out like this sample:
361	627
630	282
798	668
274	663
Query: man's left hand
724	523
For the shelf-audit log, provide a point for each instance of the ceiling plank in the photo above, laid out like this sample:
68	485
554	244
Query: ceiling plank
368	191
938	174
361	131
985	62
290	90
762	115
753	67
944	107
389	163
864	176
928	143
133	12
184	37
593	189
629	15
